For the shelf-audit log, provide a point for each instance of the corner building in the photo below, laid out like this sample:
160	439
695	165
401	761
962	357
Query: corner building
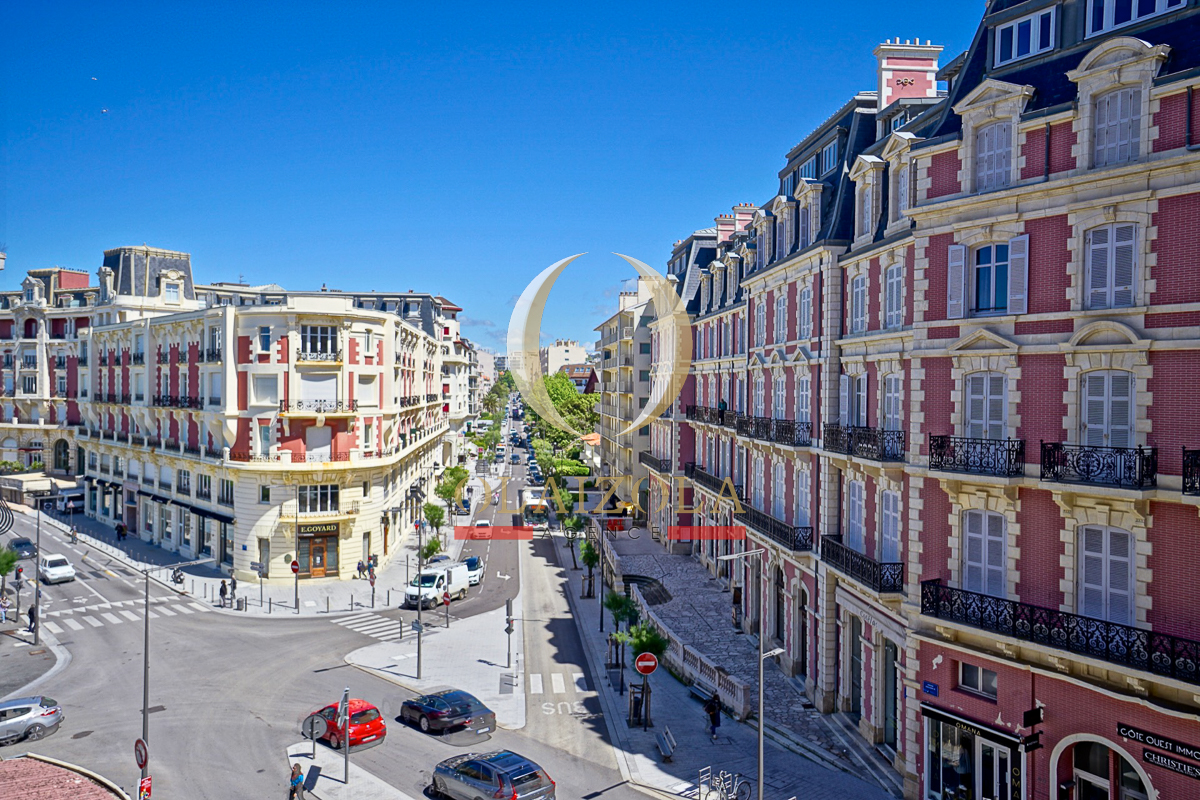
254	424
946	368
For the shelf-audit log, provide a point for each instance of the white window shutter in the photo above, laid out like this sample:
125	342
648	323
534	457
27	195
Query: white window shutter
976	406
1123	261
843	400
1099	248
983	152
973	564
804	223
1120	409
803	498
1095	412
1102	132
902	190
860	401
956	281
1018	274
891	528
857	513
1003	147
997	407
1135	121
1120	578
804	400
995	580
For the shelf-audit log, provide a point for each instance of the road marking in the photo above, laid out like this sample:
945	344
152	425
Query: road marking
535	684
185	610
165	611
129	615
199	607
374	627
95	623
73	625
111	618
150	613
557	683
50	626
580	681
390	637
353	618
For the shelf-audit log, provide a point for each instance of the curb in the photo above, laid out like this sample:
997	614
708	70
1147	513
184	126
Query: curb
87	773
62	660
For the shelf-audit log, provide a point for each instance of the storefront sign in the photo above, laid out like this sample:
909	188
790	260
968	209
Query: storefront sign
318	528
1161	742
1175	765
967	726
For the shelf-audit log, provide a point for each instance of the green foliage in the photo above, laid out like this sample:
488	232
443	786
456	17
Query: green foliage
622	608
589	554
645	638
14	467
431	548
577	409
8	561
434	515
452	481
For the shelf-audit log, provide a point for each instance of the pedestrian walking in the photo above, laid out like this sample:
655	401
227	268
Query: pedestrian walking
5	605
224	593
361	569
713	709
296	790
32	618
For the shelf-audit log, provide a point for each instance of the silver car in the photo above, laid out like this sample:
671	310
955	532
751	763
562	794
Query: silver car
28	718
502	773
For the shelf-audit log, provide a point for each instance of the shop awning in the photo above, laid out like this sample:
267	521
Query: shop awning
218	516
970	726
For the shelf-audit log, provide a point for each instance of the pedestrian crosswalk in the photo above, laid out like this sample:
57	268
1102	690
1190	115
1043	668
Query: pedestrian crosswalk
375	626
100	615
559	683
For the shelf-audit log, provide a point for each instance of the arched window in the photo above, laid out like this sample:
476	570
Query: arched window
62	456
1106	418
1095	770
993	156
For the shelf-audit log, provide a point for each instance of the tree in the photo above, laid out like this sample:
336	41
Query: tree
590	557
645	638
435	516
431	549
573	525
8	562
451	485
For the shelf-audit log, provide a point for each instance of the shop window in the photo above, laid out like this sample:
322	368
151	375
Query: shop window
976	679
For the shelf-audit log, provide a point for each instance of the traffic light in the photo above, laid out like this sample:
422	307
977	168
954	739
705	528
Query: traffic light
508	617
20	571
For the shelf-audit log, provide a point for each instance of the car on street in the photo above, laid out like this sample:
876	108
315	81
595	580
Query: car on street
502	773
474	570
23	547
28	718
449	709
366	725
515	458
56	569
483	530
535	479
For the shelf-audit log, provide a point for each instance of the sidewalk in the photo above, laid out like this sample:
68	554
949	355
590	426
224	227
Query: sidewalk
317	596
331	784
790	771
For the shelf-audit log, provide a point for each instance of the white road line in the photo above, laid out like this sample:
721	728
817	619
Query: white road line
580	681
535	683
151	613
353	619
95	623
200	607
129	615
72	624
53	628
165	611
184	610
87	585
113	618
557	683
372	627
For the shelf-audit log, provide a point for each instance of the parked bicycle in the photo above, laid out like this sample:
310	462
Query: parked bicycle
727	786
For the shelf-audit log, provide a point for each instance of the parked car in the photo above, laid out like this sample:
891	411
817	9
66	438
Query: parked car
23	547
483	530
28	718
448	710
366	724
437	559
56	569
499	774
428	587
475	570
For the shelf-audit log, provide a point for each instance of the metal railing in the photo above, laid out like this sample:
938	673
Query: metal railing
796	538
164	357
319	406
880	576
1130	467
873	443
1158	653
653	462
1191	471
138	359
1002	457
303	355
212	355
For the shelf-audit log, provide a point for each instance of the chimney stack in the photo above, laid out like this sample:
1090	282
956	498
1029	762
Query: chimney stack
907	69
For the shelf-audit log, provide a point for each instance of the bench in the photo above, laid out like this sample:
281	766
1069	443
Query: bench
702	690
666	743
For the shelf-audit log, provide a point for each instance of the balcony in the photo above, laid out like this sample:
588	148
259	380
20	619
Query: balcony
213	355
213	452
432	398
792	537
83	361
703	414
1191	471
204	494
343	510
653	462
729	418
29	363
191	402
214	401
166	401
310	356
104	361
319	406
880	576
139	359
873	443
60	362
1125	467
1004	458
706	479
108	397
126	399
163	357
791	433
191	451
181	357
1157	653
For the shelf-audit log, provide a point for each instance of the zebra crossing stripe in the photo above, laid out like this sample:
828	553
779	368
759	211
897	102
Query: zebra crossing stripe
535	684
372	628
348	621
129	615
165	611
95	623
73	625
184	610
200	607
50	626
557	683
113	618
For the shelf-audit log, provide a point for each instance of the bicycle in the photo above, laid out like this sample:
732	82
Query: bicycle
735	786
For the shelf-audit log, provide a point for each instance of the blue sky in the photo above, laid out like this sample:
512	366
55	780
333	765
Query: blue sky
452	148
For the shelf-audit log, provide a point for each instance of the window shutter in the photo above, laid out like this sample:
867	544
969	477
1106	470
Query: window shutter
1098	247
902	190
997	407
843	400
1120	411
1002	144
857	509
976	406
1018	274
804	223
803	498
891	403
806	314
1120	578
1092	573
860	401
984	158
973	566
891	528
804	400
956	281
995	547
1128	102
1123	260
1094	414
1102	132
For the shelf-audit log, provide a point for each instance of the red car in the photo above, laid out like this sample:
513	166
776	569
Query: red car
366	725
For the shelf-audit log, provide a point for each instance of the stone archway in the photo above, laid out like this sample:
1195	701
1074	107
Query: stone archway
62	456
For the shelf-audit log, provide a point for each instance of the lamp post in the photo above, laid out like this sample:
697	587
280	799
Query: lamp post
416	495
762	659
37	580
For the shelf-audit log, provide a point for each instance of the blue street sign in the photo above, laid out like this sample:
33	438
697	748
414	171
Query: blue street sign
929	688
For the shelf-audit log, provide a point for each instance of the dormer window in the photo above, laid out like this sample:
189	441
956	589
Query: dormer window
993	156
781	235
866	205
829	156
29	295
1117	126
809	169
171	292
1105	15
1026	36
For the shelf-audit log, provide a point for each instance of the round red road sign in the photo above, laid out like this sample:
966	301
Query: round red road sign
372	581
295	567
140	754
446	598
646	663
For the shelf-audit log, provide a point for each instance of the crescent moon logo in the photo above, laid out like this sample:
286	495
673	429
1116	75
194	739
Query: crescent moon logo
667	374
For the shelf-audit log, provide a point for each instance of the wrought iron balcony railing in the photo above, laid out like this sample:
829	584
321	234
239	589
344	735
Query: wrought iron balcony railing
1191	471
793	537
319	406
880	576
83	361
138	359
1130	467
60	362
312	355
709	481
212	355
181	357
164	357
653	462
1002	457
204	494
873	443
729	418
1158	653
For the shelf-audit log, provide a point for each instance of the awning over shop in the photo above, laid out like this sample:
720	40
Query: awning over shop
970	726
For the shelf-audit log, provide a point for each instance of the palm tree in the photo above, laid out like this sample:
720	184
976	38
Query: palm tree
590	557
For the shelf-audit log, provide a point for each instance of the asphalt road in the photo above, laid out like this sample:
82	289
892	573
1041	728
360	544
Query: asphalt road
228	694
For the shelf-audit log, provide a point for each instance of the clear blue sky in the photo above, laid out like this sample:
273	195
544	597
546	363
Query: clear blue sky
457	149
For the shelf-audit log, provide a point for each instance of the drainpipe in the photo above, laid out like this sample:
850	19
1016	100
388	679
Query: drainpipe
1046	155
1187	135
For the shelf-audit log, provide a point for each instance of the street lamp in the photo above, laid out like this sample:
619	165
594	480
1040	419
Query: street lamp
762	660
418	496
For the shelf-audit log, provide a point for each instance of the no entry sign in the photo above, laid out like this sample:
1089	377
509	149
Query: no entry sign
295	567
446	598
646	663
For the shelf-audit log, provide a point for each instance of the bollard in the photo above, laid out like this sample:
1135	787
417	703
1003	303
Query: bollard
193	591
389	600
326	604
206	591
351	602
270	604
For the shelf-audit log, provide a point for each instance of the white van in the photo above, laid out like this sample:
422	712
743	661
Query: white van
433	582
75	498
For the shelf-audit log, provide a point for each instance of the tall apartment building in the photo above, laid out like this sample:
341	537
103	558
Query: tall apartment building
956	356
459	383
553	357
242	423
